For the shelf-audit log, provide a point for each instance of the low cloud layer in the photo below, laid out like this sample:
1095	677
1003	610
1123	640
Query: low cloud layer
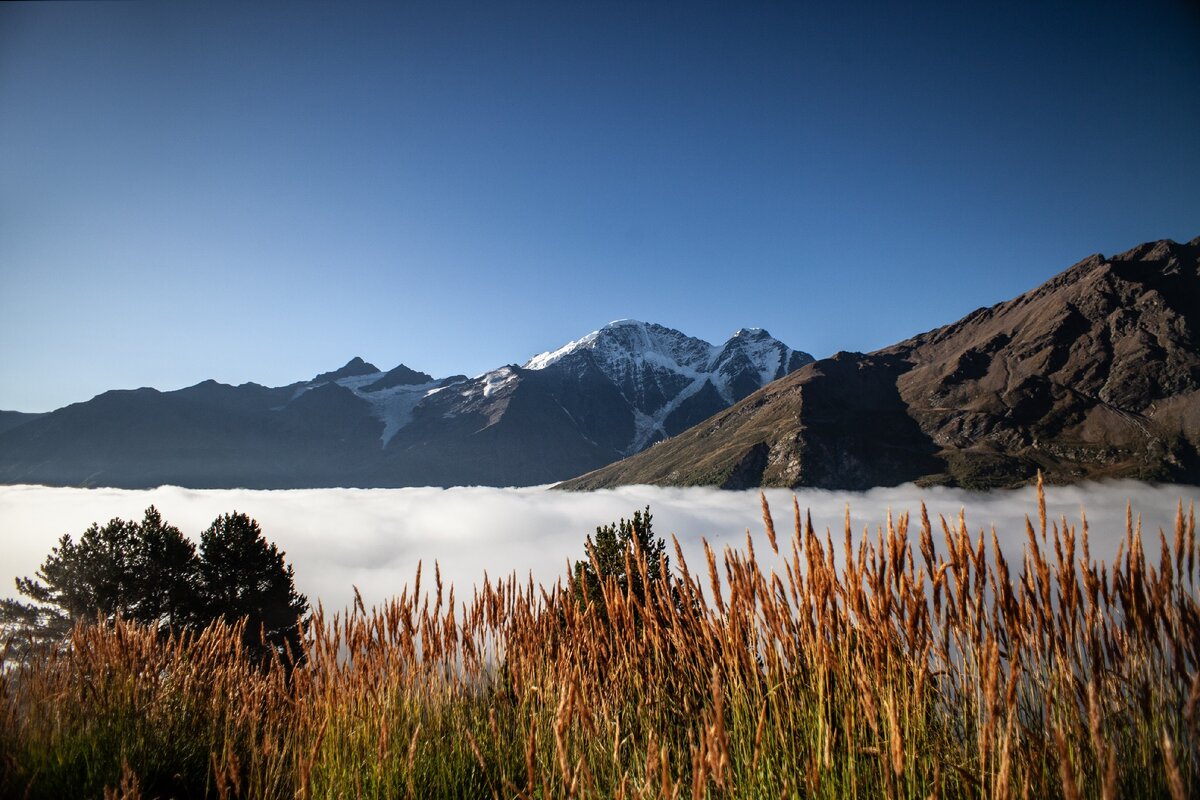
373	538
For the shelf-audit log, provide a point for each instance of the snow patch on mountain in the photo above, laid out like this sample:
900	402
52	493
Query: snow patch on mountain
395	406
550	357
645	429
358	382
648	427
498	379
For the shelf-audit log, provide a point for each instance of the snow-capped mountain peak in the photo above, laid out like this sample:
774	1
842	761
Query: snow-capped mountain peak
550	357
626	340
756	349
665	375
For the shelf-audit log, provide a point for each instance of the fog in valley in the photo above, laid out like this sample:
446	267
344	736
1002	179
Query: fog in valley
373	539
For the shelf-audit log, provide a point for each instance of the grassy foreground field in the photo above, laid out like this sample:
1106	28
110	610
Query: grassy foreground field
908	662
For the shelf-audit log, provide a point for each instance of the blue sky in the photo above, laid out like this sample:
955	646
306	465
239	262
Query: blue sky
259	192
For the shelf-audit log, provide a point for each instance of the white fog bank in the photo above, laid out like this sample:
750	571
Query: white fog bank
373	538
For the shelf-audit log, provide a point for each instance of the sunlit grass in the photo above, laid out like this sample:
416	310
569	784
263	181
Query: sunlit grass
912	661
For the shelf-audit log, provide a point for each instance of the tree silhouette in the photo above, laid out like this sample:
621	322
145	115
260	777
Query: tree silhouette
242	576
150	573
167	574
145	572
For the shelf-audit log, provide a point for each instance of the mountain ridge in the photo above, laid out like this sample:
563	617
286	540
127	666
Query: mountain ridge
360	426
1094	373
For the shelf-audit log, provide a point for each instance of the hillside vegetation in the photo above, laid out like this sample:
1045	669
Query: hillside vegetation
910	661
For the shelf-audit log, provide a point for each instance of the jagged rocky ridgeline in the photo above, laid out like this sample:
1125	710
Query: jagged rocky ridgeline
607	395
1094	374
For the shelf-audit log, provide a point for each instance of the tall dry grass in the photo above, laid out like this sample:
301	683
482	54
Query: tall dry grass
913	661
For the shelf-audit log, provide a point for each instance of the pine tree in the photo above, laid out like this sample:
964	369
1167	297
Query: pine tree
167	573
244	576
614	554
145	572
150	573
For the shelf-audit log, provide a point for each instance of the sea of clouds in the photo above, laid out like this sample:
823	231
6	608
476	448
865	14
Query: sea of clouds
373	538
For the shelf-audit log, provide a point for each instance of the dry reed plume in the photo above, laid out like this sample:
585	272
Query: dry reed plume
913	661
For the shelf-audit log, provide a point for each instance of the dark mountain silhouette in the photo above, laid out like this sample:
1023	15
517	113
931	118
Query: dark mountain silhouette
11	419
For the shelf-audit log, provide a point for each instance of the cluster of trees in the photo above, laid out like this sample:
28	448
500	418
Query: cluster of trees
151	573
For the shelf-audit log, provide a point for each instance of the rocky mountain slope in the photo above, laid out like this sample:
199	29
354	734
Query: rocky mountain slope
591	402
1096	373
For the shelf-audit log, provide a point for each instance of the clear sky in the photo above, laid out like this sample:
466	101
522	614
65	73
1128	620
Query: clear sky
259	192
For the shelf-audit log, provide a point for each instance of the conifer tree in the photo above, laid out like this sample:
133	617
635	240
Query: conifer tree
150	573
614	553
167	576
145	572
244	576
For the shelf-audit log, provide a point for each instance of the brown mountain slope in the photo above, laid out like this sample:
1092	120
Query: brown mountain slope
1096	373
